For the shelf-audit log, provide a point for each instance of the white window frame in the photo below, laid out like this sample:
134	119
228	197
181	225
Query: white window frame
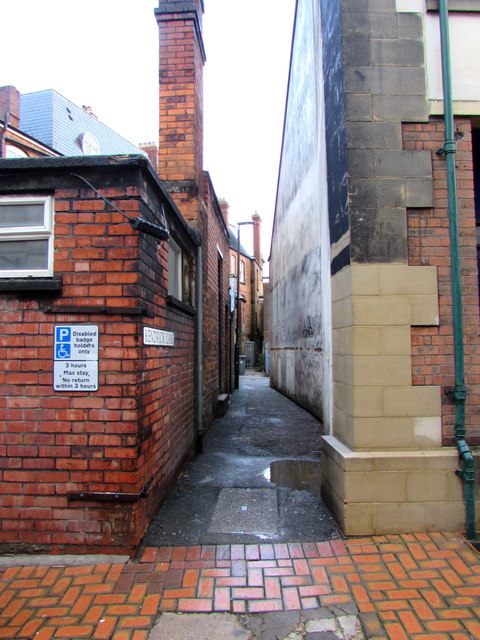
90	144
175	270
40	232
242	271
12	151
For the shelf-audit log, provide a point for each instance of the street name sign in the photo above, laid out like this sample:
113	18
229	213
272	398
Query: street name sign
158	337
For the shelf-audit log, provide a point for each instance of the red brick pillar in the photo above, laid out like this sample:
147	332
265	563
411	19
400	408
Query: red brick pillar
10	103
182	56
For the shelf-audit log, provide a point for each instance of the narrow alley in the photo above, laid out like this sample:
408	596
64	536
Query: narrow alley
257	480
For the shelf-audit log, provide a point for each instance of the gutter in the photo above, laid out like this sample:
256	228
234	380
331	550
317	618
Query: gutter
459	393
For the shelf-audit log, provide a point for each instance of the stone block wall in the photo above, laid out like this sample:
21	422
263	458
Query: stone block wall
375	406
390	459
385	85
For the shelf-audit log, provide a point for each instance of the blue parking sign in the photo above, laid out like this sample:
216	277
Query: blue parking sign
63	334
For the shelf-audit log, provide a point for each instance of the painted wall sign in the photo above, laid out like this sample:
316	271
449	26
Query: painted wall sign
75	358
157	337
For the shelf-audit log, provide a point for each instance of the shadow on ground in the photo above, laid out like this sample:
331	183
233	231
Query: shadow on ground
226	495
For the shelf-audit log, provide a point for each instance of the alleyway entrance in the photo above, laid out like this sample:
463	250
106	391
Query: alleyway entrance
258	479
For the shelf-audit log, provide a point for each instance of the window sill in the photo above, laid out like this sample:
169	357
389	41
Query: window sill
178	304
31	284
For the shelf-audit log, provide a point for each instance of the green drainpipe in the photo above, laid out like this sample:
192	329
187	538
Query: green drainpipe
460	392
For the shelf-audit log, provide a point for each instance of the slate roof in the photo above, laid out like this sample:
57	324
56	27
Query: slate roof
233	242
60	124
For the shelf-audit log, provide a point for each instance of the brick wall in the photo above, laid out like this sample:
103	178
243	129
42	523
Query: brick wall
246	303
180	154
136	430
180	165
216	315
10	103
429	244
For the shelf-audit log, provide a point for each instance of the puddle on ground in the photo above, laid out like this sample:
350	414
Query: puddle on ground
300	475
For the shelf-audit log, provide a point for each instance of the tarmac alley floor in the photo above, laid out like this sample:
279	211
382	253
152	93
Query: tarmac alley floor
257	480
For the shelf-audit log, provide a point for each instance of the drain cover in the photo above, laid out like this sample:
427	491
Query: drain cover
250	511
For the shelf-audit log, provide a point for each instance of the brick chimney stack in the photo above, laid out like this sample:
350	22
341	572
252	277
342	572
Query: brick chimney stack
10	103
257	254
224	207
182	57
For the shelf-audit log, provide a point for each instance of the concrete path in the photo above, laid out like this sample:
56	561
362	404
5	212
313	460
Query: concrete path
408	587
257	480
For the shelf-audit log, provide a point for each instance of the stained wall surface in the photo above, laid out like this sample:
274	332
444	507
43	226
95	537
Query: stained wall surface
300	271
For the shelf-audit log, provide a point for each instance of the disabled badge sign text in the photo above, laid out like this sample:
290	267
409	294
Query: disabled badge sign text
75	358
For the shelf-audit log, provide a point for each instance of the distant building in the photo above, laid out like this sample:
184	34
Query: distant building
249	269
15	143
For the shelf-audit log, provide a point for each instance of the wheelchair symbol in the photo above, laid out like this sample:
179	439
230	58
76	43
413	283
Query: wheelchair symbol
63	351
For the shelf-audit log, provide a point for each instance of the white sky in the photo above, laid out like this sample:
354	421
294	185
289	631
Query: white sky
104	54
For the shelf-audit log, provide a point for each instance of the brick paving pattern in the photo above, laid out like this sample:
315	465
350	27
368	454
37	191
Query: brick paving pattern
415	587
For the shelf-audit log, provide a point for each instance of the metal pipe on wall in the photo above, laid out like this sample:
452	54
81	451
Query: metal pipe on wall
198	374
467	473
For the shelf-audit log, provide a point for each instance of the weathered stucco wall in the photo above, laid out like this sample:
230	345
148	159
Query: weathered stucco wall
300	268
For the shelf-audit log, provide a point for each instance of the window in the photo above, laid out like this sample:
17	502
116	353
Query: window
14	152
233	268
175	275
180	276
90	144
242	271
26	237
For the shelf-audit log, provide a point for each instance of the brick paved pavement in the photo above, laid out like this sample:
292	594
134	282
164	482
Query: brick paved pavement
408	587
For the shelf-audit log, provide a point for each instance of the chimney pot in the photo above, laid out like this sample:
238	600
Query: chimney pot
224	207
257	254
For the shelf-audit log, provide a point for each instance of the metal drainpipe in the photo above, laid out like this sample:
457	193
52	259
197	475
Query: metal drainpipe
238	329
460	392
3	134
198	353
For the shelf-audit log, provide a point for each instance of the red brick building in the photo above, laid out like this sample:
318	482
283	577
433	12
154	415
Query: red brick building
180	166
247	270
116	338
87	469
429	244
14	143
